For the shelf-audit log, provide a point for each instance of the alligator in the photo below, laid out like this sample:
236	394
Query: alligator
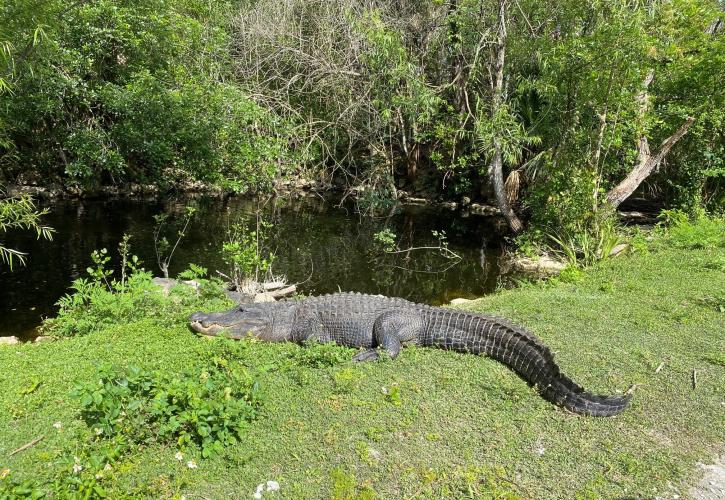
378	323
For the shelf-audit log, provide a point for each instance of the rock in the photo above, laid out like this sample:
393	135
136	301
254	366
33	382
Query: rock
618	249
544	266
450	205
274	285
167	283
465	201
484	209
42	338
459	301
263	297
239	297
416	201
712	485
9	340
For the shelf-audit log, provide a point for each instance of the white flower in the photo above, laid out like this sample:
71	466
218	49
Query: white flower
77	467
191	464
540	450
179	456
272	486
98	431
257	495
260	488
107	467
57	425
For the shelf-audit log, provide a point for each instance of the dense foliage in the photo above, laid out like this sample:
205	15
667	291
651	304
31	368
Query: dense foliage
562	101
401	94
115	91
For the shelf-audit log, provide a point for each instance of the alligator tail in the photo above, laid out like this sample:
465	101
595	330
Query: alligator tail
528	356
564	392
534	361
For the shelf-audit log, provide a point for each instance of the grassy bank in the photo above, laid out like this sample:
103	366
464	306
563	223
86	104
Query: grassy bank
431	423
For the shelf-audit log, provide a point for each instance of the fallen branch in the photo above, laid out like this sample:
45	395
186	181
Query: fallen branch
282	292
28	445
646	165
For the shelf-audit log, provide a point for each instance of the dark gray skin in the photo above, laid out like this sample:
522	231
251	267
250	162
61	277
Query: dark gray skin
379	323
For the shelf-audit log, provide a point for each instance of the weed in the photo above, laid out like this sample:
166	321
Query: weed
392	394
346	380
316	355
209	409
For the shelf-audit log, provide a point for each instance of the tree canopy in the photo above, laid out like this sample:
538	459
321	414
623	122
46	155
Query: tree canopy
559	101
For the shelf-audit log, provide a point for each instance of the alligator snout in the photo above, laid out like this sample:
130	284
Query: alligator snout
197	317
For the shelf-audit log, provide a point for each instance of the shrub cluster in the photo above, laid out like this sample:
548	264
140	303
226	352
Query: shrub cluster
210	409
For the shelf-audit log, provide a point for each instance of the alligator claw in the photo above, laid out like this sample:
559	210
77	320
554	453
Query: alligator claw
366	355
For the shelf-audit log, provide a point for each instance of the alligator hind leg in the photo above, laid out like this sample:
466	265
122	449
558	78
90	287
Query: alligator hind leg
391	330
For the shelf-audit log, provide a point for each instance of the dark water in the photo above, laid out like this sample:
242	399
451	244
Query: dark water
327	247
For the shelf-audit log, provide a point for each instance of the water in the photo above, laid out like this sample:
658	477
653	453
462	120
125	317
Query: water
325	247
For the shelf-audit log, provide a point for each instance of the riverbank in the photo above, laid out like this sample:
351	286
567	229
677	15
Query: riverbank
284	188
431	423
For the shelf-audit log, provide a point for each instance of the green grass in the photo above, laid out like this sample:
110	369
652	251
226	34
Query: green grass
431	423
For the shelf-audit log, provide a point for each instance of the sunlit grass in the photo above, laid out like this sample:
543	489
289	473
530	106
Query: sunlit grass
457	425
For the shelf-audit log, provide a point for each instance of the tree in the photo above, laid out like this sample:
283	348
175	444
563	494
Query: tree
496	167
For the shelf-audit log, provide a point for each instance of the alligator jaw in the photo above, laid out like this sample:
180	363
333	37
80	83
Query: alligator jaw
234	324
198	327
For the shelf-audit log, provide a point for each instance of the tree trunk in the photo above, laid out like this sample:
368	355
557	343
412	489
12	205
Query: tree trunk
496	167
645	165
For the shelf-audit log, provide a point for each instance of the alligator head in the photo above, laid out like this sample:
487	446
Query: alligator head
254	320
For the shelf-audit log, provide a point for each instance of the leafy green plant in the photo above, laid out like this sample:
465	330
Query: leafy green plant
210	409
392	394
346	380
245	254
345	486
193	272
385	238
164	250
20	213
587	246
103	301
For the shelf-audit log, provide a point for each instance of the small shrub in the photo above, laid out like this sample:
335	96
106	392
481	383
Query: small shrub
245	254
587	246
681	232
103	301
210	409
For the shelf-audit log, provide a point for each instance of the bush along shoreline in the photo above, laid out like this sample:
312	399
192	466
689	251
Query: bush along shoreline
128	400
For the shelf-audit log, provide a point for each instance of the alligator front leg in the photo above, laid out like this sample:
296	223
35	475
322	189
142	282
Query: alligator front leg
390	331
